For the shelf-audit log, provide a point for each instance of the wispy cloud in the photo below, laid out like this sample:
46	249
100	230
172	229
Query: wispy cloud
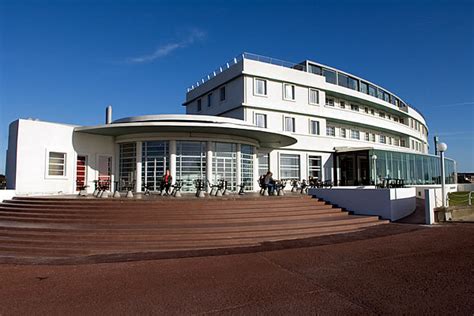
165	50
455	104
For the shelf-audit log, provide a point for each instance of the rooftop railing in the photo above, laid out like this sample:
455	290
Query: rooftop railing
274	61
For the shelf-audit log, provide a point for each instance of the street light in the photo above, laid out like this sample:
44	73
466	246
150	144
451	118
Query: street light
442	147
374	159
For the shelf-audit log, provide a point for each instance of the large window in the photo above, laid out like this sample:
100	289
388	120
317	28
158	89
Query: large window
314	127
260	87
289	124
382	139
343	133
190	163
246	166
56	164
289	92
330	131
209	99
330	75
314	167
354	107
289	166
261	120
372	91
342	80
364	87
127	165
224	164
155	161
263	163
313	96
314	69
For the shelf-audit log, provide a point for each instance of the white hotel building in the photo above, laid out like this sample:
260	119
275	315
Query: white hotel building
251	115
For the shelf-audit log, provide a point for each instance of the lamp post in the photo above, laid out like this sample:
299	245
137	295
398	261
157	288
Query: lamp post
374	160
442	147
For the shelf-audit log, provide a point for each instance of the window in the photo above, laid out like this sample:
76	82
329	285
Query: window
329	101
372	91
191	163
289	166
155	161
353	83
314	69
342	80
209	99
380	94
289	124
342	104
355	134
386	97
127	164
314	167
364	87
366	110
372	137
199	105
263	163
402	121
382	139
382	114
313	96
314	128
261	120
367	137
330	131
222	94
395	119
288	91
372	111
330	75
354	107
260	87
402	143
396	142
389	140
343	132
246	166
56	164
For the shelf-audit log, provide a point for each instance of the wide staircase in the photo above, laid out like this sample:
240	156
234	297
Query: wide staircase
51	229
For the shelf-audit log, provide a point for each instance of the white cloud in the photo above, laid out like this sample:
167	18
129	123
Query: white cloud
165	50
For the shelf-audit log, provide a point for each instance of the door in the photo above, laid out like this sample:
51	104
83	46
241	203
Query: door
81	165
105	171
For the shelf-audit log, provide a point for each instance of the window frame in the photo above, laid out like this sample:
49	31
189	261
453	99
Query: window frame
264	119
265	86
222	94
293	90
309	96
333	129
293	124
318	127
64	174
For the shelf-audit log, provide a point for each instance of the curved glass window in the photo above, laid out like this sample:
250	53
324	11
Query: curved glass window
330	76
127	165
224	164
290	167
155	161
246	166
190	163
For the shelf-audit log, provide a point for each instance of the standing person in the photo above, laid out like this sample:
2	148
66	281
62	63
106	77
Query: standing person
166	181
269	182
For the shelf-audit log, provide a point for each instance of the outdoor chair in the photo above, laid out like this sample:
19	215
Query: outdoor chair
215	188
200	185
146	188
280	187
242	188
294	185
263	186
82	187
303	186
327	184
176	192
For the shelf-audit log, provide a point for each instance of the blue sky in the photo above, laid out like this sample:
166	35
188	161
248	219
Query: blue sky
64	61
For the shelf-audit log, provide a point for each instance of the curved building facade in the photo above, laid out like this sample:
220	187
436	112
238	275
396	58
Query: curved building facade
252	115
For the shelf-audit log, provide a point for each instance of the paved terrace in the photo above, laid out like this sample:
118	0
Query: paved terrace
389	269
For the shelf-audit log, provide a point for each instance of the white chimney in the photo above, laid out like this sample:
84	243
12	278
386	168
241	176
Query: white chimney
108	115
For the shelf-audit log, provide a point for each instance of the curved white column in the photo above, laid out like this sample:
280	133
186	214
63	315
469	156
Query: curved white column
209	154
138	172
172	149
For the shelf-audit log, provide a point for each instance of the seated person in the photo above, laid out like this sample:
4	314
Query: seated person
269	182
166	182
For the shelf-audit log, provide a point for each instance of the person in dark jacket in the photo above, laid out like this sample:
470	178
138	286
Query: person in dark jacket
166	182
269	182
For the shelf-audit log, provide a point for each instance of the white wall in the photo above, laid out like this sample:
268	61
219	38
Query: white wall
36	139
6	195
391	204
465	186
420	190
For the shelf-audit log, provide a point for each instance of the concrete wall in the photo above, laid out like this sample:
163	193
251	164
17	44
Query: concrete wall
420	190
36	139
391	204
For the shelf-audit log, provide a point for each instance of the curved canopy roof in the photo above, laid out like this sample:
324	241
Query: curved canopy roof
190	124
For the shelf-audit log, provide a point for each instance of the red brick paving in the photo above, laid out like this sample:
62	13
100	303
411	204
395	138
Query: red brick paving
411	270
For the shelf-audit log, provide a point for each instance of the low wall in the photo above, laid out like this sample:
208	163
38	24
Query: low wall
391	204
420	189
465	186
6	194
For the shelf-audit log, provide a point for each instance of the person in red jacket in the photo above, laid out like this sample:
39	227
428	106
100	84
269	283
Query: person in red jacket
166	181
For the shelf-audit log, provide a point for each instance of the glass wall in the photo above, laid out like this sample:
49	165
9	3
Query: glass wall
314	167
246	166
224	162
190	163
127	165
155	161
413	168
